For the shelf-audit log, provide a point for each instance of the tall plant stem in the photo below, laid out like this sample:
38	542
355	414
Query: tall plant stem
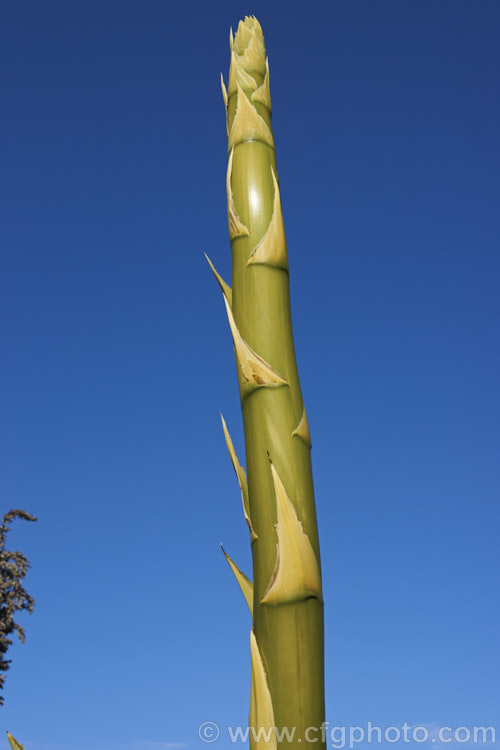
287	604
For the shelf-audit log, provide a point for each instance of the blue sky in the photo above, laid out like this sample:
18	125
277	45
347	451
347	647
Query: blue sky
117	358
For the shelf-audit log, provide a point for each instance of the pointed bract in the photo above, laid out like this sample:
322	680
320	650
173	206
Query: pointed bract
296	574
15	745
241	477
236	226
263	93
271	250
253	371
238	75
248	125
244	583
226	289
249	46
224	91
261	714
302	430
242	37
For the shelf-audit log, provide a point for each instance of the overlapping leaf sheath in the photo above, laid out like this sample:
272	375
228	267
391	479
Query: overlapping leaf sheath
277	489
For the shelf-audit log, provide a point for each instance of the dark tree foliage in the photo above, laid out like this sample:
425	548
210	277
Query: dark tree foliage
13	597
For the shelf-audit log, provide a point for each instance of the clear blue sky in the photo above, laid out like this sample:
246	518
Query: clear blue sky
117	358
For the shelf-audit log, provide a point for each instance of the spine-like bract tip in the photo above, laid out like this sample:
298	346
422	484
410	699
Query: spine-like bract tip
243	582
241	477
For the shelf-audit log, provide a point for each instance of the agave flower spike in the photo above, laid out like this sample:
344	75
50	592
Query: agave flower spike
285	599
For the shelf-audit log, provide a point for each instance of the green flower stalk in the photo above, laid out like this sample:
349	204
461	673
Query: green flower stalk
286	602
